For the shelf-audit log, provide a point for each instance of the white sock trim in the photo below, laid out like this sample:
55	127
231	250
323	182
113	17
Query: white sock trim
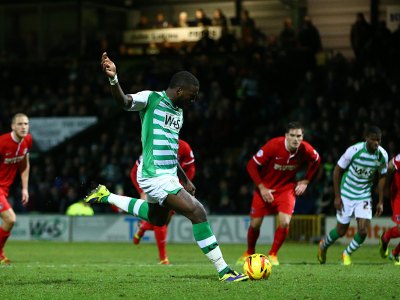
215	256
120	201
208	241
137	206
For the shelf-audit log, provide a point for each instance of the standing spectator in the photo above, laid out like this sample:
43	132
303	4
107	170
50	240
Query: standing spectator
310	39
353	178
360	35
392	185
273	170
287	36
14	157
248	29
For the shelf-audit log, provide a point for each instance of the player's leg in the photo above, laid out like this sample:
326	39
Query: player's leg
257	212
160	234
279	237
395	255
343	221
253	232
284	203
134	206
9	218
188	206
358	240
393	232
333	235
143	226
363	214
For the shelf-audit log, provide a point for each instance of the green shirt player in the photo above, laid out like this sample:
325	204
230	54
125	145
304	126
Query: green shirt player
162	117
353	178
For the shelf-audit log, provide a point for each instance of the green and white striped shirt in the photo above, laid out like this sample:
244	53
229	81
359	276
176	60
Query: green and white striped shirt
360	168
161	123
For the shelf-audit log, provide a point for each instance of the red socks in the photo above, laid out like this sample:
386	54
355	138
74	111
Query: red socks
160	233
279	238
396	251
392	233
252	237
3	238
144	225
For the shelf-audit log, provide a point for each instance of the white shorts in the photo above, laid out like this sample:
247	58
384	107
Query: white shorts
158	188
359	209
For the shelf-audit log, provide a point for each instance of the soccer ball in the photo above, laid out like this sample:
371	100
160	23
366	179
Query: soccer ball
257	266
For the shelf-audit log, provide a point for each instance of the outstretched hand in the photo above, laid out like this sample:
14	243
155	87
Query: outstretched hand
108	66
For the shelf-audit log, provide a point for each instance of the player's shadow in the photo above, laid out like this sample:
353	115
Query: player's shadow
195	277
333	263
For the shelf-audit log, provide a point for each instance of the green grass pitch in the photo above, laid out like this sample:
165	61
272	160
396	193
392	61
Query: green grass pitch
50	270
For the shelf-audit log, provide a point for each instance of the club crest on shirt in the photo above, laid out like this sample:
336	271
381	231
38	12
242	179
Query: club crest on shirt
173	122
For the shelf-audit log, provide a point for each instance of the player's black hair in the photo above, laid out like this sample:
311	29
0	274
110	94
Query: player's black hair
294	125
183	79
372	129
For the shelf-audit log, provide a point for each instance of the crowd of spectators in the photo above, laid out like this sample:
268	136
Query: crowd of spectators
245	99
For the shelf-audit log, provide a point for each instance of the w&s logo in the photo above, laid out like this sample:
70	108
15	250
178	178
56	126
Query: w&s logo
173	122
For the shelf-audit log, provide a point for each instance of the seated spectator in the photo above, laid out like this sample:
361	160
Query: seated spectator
219	18
201	18
143	23
160	21
183	19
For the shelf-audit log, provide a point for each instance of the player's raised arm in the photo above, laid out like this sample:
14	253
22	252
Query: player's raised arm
109	68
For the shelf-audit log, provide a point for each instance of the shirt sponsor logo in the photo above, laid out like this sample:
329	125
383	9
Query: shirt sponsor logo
285	167
172	122
13	160
364	172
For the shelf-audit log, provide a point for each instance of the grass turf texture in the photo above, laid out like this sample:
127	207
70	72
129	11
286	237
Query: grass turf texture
50	270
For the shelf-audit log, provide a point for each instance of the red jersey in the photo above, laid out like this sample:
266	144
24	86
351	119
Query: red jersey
12	154
185	159
276	167
396	178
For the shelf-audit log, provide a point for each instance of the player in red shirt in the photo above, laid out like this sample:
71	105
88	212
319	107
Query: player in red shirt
14	148
392	185
273	170
186	160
